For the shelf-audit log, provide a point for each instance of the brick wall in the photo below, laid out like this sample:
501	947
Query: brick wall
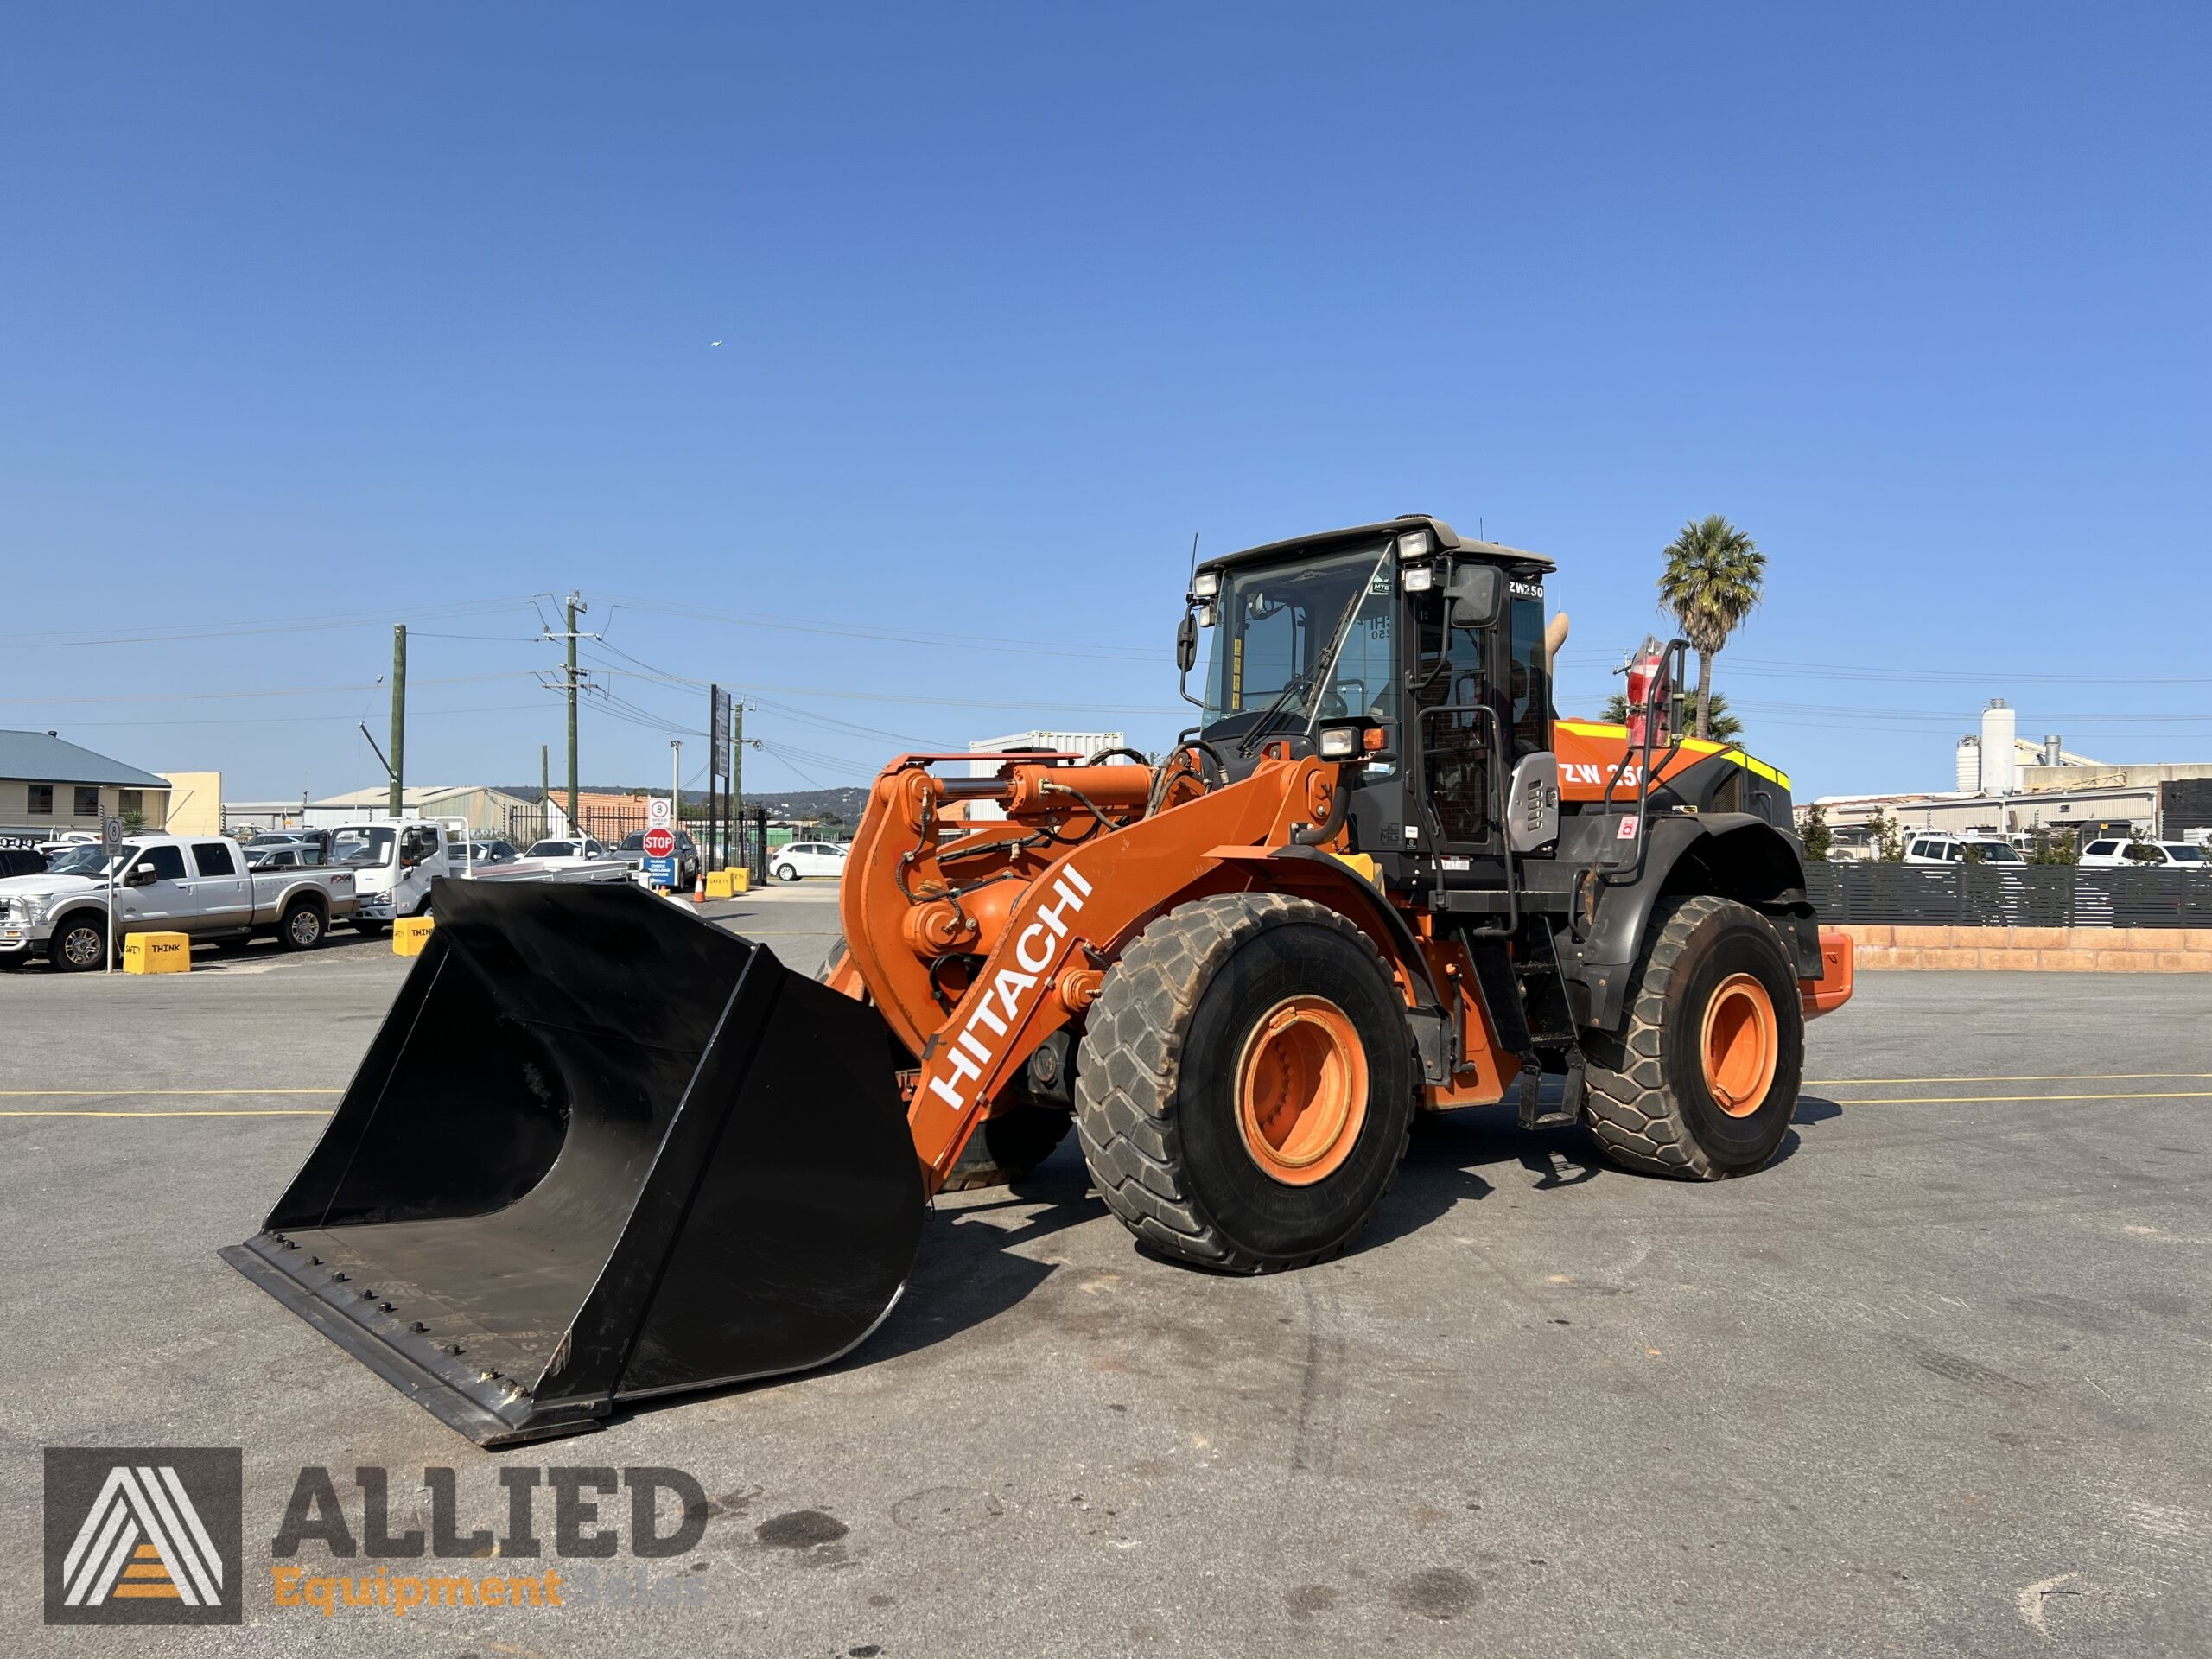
2050	949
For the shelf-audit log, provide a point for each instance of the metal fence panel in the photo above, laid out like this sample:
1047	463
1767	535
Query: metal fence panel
1991	895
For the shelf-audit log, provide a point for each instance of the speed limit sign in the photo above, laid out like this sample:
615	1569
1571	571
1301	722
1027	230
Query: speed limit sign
111	832
658	813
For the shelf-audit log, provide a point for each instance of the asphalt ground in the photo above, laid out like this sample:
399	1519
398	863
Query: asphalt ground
1934	1383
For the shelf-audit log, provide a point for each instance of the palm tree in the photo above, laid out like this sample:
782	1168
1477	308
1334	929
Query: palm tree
1713	581
1723	726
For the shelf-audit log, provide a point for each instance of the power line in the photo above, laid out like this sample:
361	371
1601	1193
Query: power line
899	636
275	625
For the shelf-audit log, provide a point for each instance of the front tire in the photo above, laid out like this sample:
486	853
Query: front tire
1702	1079
1247	1083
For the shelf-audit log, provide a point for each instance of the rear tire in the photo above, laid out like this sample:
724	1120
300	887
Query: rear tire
1008	1147
1247	1083
786	872
302	927
1701	1080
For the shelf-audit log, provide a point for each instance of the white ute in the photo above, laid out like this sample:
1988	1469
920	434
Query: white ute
167	884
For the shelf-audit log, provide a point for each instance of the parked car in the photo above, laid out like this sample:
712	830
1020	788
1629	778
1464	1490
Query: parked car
582	846
167	884
22	860
488	854
1960	849
805	858
2111	853
632	851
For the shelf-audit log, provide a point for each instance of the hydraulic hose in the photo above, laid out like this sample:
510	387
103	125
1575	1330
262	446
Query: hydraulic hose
1313	835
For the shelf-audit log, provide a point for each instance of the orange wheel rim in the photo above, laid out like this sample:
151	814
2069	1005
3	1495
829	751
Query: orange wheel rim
1741	1044
1301	1091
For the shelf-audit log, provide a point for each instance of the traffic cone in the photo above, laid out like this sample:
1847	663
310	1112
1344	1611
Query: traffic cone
699	888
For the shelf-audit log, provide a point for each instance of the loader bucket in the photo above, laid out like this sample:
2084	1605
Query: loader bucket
600	1149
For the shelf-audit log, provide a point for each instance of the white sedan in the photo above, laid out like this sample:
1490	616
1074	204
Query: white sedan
803	858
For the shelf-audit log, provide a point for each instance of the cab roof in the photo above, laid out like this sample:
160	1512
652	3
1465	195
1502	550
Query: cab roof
1447	539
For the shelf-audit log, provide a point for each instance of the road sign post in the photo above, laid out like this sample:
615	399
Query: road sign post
660	844
112	844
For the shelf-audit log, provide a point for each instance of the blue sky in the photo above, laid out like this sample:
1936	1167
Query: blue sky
314	321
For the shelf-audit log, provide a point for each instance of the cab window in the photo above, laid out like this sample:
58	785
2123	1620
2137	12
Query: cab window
166	862
215	858
1529	691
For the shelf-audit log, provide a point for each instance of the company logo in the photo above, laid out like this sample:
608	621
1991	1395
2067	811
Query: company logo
999	1010
143	1534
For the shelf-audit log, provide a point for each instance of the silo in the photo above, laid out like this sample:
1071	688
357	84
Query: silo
2054	752
1969	774
2000	769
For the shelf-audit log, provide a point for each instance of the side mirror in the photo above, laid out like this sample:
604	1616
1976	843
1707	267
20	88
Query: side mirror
1476	594
1186	643
142	875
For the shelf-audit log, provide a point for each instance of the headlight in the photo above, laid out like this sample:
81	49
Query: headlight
1339	742
1206	584
28	910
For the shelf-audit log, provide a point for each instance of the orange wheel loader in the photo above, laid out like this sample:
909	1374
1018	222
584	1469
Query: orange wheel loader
602	1149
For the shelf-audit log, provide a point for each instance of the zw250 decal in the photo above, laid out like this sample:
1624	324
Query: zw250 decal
1582	772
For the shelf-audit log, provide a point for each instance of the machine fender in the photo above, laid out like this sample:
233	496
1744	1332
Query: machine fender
1357	898
1733	854
1434	1030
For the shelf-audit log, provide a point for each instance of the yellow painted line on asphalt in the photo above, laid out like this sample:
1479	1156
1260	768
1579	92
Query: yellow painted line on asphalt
2012	1100
2071	1077
209	1111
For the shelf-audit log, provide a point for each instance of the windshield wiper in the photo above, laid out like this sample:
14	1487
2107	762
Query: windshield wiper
1316	675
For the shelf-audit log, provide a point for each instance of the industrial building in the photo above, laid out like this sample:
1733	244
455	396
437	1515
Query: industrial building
2005	785
479	805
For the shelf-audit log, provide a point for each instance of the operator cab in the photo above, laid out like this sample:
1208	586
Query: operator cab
1402	641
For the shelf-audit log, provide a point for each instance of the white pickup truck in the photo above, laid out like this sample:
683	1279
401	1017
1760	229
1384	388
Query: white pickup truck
167	884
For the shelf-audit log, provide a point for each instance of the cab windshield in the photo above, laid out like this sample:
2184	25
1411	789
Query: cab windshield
365	847
77	861
1276	625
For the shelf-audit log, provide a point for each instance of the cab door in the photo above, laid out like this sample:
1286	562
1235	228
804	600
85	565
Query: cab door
1459	727
158	905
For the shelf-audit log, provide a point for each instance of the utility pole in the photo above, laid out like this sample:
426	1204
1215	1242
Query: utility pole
574	605
676	783
737	772
399	714
545	787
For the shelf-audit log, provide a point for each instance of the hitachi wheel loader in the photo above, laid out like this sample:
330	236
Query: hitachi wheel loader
602	1150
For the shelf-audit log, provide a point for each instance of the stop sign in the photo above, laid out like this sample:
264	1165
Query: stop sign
660	843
